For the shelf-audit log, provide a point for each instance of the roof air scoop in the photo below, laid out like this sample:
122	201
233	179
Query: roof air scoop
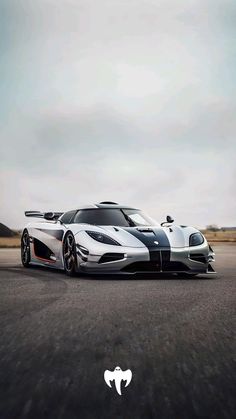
108	203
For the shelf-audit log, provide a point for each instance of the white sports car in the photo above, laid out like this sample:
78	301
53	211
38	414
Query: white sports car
111	238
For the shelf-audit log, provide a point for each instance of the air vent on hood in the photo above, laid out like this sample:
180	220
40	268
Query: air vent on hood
145	230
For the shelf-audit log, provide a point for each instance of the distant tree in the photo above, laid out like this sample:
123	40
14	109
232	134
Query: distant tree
212	227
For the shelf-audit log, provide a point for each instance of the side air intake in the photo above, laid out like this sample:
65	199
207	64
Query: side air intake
111	257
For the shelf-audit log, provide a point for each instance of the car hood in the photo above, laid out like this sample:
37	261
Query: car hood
151	236
178	236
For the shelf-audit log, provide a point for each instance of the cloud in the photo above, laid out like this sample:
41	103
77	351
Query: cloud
129	101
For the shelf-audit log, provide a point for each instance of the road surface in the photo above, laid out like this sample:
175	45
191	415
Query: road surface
58	336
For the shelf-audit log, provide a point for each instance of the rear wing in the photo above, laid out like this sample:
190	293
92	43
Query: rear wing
52	216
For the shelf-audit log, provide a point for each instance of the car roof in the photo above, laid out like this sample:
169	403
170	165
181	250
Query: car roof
113	205
106	205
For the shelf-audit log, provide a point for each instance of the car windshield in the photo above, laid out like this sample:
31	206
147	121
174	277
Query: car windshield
139	218
113	217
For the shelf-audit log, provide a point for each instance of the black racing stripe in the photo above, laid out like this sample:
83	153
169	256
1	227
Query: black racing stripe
165	255
150	236
161	237
155	255
159	251
58	234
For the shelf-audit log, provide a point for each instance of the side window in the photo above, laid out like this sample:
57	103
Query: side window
67	217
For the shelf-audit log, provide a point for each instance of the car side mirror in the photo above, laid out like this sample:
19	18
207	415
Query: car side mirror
169	220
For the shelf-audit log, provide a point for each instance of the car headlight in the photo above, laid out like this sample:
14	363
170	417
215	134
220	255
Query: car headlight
196	239
102	238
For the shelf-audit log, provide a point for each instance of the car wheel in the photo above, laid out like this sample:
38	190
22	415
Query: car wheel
69	255
25	249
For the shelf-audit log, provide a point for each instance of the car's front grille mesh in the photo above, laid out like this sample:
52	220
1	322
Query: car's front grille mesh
160	262
174	267
154	267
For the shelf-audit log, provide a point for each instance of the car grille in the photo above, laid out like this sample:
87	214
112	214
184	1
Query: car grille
174	267
155	267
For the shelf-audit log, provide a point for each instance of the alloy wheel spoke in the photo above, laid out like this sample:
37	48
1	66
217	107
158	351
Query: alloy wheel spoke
69	244
69	256
69	262
25	248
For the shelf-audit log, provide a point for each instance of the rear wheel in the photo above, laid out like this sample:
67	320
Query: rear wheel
25	249
69	255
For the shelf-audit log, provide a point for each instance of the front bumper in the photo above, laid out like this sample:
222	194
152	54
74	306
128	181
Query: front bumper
189	260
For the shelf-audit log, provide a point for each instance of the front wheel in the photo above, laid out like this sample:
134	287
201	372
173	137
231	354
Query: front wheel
69	255
25	249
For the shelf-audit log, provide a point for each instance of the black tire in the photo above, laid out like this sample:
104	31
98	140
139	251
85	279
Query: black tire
69	255
25	249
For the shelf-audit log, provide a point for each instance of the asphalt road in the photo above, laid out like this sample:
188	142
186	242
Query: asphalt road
58	335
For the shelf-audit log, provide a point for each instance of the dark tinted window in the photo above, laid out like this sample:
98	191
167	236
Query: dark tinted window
67	217
101	216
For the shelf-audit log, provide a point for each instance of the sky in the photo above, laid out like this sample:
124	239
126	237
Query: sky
132	101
